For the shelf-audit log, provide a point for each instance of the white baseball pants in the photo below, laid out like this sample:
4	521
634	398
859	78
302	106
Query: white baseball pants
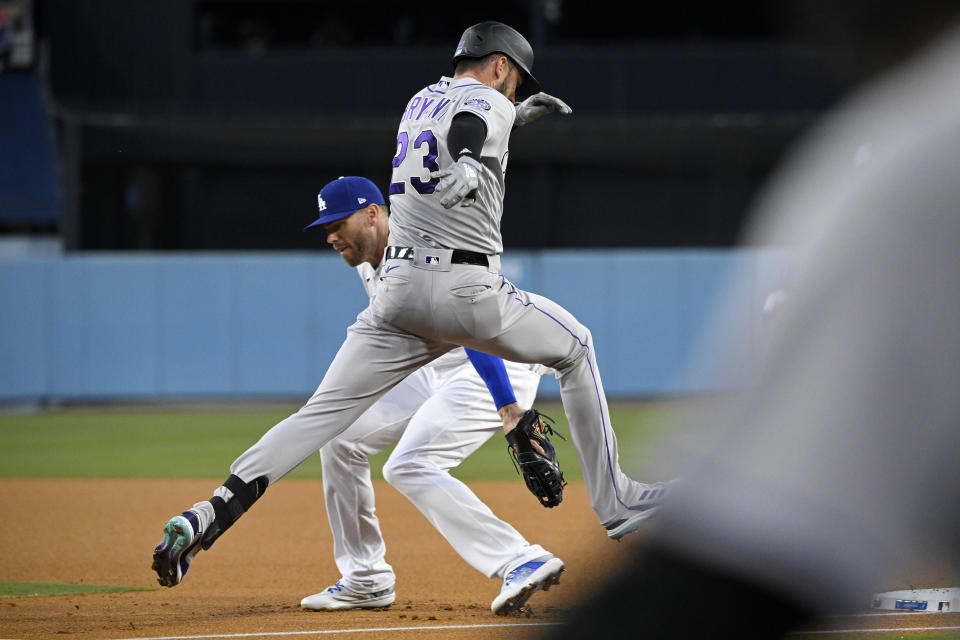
436	417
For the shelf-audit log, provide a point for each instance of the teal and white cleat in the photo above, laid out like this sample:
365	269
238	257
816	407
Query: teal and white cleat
180	544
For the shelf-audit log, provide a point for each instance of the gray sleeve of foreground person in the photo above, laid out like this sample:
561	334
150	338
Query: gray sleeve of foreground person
839	467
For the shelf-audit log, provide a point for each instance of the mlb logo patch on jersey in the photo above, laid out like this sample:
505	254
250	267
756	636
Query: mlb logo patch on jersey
477	103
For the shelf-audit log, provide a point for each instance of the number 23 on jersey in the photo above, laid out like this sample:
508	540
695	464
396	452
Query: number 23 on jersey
424	150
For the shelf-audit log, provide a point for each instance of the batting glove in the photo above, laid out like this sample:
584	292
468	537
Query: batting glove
539	104
459	182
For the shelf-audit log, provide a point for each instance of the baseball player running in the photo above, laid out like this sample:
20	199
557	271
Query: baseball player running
436	417
439	287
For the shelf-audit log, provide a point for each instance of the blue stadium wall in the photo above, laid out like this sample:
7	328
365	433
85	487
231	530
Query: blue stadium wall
120	327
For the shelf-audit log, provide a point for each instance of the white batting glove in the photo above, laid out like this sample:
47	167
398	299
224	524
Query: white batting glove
539	104
459	182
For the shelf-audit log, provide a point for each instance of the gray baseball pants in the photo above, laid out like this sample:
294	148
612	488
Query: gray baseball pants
423	308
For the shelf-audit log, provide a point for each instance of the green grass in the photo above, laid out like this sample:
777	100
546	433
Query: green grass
180	443
174	442
28	589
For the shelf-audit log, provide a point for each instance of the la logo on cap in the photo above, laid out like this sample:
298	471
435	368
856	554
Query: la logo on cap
320	202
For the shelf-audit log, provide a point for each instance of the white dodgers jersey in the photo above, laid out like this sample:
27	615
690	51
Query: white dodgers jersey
417	219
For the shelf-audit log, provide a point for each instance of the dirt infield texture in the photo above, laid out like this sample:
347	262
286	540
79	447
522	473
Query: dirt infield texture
251	582
103	532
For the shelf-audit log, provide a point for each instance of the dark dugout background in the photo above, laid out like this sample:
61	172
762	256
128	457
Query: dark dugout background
211	124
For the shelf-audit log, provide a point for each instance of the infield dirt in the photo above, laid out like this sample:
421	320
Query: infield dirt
251	582
103	532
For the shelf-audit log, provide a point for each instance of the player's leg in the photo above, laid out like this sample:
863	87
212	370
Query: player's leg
367	580
372	359
450	426
525	327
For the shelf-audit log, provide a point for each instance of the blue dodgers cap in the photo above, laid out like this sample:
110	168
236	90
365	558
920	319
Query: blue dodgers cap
343	196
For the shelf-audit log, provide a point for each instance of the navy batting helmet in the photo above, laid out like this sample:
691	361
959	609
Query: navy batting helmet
495	37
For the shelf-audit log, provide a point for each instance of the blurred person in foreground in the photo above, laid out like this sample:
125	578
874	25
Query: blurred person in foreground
837	468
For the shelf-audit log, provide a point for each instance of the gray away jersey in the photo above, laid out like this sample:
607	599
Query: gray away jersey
417	219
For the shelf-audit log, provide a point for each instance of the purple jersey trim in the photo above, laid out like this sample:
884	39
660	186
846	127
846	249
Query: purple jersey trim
472	84
596	385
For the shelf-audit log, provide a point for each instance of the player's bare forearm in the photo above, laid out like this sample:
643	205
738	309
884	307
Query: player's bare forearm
510	415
